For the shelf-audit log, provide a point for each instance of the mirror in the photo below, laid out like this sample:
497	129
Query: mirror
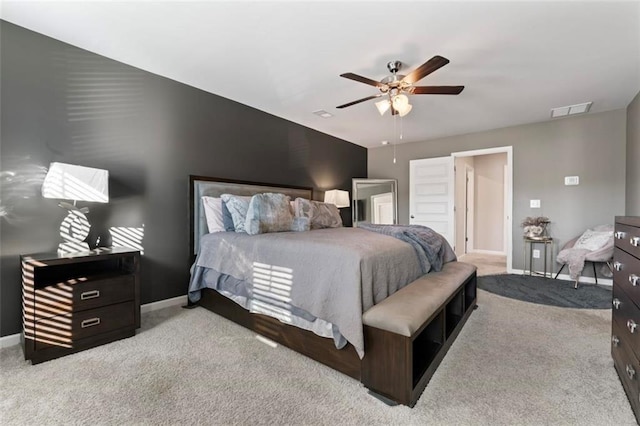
375	201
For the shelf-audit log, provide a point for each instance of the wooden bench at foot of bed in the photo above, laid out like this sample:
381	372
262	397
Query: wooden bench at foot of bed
408	334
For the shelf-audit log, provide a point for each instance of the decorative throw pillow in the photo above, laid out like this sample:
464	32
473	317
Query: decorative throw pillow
213	213
320	215
325	215
237	206
593	240
268	213
227	219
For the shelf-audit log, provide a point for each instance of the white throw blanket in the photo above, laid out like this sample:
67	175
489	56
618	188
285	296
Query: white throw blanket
575	259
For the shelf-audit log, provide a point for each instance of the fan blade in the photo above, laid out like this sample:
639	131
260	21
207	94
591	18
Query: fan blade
361	79
425	69
360	100
436	90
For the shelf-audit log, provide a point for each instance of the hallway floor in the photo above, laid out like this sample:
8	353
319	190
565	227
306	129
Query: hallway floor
487	264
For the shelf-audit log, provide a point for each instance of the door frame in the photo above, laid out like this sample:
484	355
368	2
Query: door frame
508	224
469	208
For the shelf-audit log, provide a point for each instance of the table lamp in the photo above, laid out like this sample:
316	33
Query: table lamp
75	183
338	197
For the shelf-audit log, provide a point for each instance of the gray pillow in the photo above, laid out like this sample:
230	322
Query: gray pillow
268	213
237	206
227	219
320	215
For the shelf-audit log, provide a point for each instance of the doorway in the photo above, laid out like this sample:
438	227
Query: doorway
483	206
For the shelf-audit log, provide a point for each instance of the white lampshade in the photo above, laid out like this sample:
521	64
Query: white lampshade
405	110
77	183
338	197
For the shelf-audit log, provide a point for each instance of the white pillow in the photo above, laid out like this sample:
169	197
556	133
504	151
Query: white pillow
593	240
213	213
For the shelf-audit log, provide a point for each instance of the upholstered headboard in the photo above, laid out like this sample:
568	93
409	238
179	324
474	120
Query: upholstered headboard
214	187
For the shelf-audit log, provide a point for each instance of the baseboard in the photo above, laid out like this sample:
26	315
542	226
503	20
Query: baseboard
14	339
496	252
11	340
161	304
586	280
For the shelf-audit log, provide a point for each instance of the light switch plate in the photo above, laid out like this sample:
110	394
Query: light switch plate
534	204
536	254
571	180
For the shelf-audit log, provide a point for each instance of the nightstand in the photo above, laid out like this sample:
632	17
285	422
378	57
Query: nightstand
77	301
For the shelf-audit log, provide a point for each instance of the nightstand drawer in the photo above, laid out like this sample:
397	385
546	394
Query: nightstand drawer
74	296
64	330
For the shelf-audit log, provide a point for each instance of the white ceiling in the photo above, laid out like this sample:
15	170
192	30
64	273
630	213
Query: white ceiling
517	60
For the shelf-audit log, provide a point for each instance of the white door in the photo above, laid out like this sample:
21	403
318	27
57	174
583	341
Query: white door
431	195
382	207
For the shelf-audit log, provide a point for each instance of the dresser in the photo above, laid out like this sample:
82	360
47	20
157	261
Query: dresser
77	301
625	334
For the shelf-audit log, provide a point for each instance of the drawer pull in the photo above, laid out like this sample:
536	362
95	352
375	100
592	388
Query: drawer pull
619	235
635	241
615	340
617	266
89	294
631	325
95	321
616	303
634	279
630	371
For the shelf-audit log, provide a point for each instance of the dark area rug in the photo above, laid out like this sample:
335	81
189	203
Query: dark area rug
547	291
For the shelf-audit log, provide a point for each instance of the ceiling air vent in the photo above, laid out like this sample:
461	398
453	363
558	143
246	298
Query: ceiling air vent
571	110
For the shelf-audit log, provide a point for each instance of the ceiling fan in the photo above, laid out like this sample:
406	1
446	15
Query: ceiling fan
396	86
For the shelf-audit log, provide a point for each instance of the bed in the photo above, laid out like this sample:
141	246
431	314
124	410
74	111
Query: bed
315	304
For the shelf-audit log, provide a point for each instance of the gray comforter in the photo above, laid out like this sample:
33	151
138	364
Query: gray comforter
334	274
432	249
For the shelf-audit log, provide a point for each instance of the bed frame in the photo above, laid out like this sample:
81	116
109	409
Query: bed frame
321	349
396	369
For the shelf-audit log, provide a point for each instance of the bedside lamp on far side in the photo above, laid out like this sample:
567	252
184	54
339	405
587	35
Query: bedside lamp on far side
338	197
75	183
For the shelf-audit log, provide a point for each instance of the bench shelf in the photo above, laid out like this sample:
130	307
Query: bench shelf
400	367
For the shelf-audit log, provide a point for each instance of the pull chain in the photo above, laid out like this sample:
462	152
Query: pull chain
395	138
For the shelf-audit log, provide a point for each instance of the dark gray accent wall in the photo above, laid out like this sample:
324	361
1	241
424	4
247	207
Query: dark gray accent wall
633	158
591	146
61	103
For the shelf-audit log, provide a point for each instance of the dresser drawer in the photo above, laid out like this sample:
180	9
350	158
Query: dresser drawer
628	239
627	366
627	315
78	295
64	330
626	273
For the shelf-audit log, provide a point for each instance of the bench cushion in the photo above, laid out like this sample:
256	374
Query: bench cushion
405	311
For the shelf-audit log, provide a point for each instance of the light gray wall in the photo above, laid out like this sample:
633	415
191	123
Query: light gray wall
633	158
591	146
489	202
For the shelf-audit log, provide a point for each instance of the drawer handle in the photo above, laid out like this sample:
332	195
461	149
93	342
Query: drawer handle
616	303
617	266
630	371
95	321
634	279
631	325
615	340
635	241
89	294
619	235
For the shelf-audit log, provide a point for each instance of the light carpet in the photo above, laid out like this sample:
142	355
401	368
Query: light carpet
513	363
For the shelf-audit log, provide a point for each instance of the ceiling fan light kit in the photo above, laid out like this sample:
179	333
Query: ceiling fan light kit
397	86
